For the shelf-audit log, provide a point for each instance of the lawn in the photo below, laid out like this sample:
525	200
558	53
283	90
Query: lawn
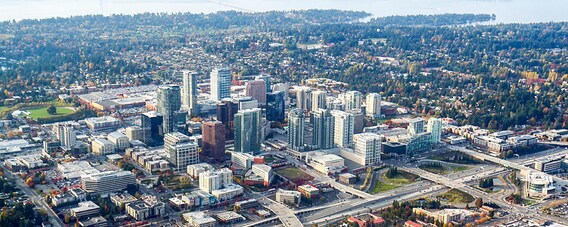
400	178
42	112
382	187
437	169
294	174
459	168
455	157
455	196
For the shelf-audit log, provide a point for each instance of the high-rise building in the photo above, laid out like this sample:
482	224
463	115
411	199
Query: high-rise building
66	135
323	133
220	83
248	131
246	102
213	133
275	106
189	93
343	128
304	98
152	128
257	90
213	180
169	104
318	100
181	150
226	111
434	127
416	126
266	79
353	100
367	146
358	121
296	125
373	101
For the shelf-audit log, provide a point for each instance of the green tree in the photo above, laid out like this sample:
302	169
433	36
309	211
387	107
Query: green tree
52	110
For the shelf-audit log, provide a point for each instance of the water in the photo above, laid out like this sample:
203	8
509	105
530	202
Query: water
507	11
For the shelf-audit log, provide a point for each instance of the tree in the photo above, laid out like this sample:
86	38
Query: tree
479	203
52	110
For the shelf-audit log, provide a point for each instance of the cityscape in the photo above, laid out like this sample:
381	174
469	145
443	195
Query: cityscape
283	118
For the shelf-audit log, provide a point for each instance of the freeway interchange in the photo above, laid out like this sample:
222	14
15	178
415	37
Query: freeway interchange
431	185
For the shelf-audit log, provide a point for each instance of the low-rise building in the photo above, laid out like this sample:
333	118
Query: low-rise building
195	169
119	140
309	191
199	219
85	209
102	146
229	217
107	182
548	164
122	199
325	163
102	123
347	178
147	208
288	197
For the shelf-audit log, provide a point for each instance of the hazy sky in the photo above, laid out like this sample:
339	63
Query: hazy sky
508	11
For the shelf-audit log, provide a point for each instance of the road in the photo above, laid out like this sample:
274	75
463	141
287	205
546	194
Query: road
36	199
286	215
502	162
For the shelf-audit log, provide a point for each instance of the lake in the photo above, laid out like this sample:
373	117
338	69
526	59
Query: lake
507	11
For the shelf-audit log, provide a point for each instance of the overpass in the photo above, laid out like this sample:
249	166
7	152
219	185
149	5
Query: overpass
286	215
502	162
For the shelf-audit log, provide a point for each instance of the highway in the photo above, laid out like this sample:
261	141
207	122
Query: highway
286	216
502	162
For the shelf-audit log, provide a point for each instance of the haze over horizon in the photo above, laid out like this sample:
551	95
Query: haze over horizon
507	11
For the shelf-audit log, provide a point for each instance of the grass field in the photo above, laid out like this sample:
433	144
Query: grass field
294	174
460	168
42	112
400	178
437	169
455	196
382	187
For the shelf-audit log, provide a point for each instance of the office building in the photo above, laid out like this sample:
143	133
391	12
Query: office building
266	79
318	100
181	151
213	133
288	197
220	83
199	219
415	126
107	182
264	172
343	128
248	131
275	106
304	98
434	127
102	123
353	101
257	90
102	146
548	165
226	111
246	103
148	207
296	125
367	147
189	93
196	169
242	160
323	130
134	133
119	140
169	104
85	209
152	127
213	180
358	121
373	105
